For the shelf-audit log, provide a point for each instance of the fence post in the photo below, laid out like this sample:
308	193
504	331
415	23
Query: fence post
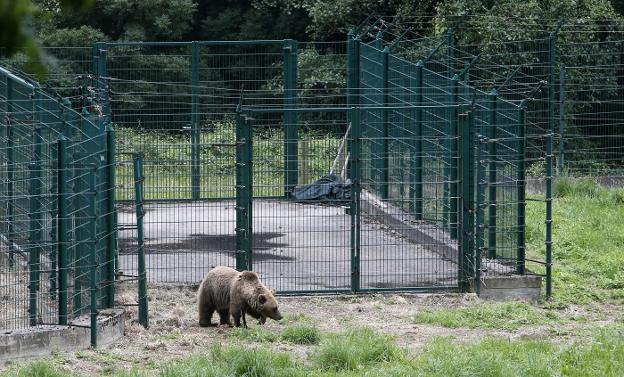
244	173
492	173
99	66
521	187
384	156
195	126
241	213
552	40
450	35
35	238
111	216
466	156
353	70
353	76
416	196
453	165
354	117
93	263
62	220
480	208
248	134
562	115
291	138
139	179
10	171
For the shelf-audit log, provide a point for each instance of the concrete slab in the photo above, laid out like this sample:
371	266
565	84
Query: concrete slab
43	340
297	247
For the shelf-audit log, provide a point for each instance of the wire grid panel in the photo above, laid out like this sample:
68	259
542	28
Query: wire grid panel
176	104
31	267
300	246
406	241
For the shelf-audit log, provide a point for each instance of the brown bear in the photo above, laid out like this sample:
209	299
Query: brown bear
234	293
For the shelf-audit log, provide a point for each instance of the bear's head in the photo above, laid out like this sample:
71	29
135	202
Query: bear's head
267	304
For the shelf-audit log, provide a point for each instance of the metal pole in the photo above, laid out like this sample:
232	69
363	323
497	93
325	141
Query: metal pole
248	133
10	173
417	159
35	225
62	222
492	174
549	157
480	208
384	155
521	188
450	52
291	138
241	209
195	126
562	115
353	76
466	130
453	161
354	113
139	179
93	286
111	216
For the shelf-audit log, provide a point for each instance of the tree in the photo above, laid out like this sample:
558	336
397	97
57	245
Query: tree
17	34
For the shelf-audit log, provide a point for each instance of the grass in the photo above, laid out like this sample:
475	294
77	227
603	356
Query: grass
506	316
302	334
355	350
254	334
588	237
362	352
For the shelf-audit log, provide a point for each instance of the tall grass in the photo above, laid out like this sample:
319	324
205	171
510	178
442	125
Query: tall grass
588	237
355	350
507	316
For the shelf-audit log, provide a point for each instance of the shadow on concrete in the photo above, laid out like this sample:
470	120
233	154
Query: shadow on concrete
202	243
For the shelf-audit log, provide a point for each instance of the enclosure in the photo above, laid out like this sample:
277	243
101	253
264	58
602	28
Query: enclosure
396	160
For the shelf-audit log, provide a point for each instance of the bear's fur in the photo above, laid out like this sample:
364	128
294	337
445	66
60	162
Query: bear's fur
229	292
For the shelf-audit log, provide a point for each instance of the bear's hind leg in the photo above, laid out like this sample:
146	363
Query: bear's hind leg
205	315
224	316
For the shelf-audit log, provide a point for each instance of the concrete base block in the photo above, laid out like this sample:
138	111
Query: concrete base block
43	340
515	287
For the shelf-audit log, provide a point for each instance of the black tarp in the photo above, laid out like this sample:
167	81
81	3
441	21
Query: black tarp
326	189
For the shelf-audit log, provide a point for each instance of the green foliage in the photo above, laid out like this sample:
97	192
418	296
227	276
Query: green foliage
355	350
506	316
302	334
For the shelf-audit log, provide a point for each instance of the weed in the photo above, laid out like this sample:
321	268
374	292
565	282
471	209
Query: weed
302	334
254	334
507	316
356	349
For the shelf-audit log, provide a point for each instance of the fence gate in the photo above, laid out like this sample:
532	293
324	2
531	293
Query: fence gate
175	103
349	237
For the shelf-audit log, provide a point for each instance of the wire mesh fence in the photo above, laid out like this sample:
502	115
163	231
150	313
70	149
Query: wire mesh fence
57	227
451	131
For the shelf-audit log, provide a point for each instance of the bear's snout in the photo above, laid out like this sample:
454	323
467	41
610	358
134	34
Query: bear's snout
277	316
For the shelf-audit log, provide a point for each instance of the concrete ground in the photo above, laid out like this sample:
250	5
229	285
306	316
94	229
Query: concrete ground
297	247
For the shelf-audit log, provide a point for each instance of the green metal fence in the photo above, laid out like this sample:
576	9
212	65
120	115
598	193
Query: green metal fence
57	209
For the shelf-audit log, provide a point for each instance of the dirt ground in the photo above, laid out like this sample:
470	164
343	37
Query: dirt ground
174	331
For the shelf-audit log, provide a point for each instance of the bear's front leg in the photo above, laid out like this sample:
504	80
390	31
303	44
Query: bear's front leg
236	311
244	319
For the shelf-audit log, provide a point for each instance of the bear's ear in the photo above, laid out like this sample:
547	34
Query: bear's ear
262	299
273	292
